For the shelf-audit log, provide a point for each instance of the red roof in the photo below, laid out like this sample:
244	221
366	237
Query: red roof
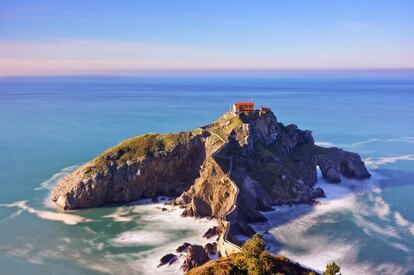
244	104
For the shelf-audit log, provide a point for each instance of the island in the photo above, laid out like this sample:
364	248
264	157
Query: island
233	169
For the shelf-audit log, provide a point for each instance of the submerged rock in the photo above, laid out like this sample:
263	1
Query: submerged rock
167	259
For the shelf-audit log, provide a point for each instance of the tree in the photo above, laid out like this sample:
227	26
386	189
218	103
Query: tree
332	269
253	259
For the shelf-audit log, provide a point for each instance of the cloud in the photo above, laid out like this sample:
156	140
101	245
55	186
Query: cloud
100	56
74	56
83	56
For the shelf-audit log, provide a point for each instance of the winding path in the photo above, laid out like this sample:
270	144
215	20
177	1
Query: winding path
226	246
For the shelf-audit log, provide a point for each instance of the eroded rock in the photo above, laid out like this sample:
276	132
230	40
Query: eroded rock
182	248
167	259
196	256
213	231
210	248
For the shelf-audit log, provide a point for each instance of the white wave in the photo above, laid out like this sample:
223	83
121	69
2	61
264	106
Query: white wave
400	220
325	144
165	230
140	238
381	208
160	230
66	218
408	139
400	246
296	238
121	215
377	162
373	229
50	182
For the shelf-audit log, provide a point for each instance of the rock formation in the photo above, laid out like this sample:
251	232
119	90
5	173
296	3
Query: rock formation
230	170
196	256
167	259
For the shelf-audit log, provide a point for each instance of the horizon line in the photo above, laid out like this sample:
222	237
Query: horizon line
203	71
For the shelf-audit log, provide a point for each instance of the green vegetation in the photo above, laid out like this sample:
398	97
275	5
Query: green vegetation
332	269
255	260
224	125
135	149
252	260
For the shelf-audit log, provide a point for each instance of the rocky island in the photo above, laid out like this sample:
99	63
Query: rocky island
230	170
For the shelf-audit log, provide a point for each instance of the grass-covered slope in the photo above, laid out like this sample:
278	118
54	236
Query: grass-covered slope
136	149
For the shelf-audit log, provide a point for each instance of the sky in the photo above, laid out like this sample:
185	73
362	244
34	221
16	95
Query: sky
49	37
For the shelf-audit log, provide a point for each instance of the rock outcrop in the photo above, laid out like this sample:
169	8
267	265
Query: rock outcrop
210	248
144	166
167	259
196	256
213	231
182	248
231	170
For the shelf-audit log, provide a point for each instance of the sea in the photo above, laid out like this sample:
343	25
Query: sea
49	126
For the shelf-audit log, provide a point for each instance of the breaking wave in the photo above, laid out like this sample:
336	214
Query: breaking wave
51	182
48	184
153	231
379	161
409	140
311	236
66	218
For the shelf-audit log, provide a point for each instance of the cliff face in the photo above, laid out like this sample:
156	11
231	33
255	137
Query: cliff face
144	166
249	160
270	164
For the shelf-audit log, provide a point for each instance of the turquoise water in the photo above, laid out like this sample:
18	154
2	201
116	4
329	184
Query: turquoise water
48	126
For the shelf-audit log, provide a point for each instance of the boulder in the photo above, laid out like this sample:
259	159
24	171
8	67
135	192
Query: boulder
210	248
318	193
196	256
167	259
182	248
351	166
213	231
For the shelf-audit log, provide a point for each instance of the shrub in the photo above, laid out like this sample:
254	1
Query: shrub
332	269
253	258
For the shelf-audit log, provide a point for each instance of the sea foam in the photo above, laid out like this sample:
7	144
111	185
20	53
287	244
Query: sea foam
290	231
66	218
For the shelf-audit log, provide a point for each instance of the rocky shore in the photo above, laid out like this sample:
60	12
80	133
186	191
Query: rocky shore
230	170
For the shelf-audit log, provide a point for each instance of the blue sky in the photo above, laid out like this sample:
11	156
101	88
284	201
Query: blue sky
98	36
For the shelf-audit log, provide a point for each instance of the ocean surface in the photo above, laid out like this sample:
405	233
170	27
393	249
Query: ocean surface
50	126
